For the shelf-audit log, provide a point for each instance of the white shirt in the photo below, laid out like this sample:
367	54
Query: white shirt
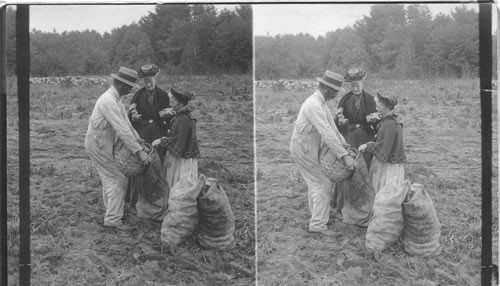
109	121
315	125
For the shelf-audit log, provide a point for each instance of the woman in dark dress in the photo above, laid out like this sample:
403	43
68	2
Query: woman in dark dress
356	119
150	115
355	115
149	108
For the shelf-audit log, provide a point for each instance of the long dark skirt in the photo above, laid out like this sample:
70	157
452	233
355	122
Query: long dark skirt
358	136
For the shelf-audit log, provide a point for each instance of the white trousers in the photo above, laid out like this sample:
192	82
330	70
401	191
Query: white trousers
319	187
114	182
113	196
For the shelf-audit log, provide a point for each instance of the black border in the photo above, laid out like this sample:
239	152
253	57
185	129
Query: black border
23	85
23	95
485	77
3	147
274	2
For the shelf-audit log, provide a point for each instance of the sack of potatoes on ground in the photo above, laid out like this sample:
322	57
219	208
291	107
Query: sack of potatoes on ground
422	229
182	214
216	219
387	223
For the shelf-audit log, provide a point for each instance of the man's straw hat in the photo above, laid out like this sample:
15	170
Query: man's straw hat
127	76
332	80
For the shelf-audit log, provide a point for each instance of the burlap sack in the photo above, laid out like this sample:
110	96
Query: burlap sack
422	229
387	223
359	195
182	215
128	163
216	219
333	167
152	201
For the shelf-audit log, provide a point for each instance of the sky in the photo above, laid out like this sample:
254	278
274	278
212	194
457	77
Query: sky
315	19
318	19
102	18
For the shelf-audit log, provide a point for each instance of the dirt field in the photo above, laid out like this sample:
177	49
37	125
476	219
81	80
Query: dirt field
70	246
443	147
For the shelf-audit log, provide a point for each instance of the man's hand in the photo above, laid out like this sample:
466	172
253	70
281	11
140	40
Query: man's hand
348	161
143	156
343	121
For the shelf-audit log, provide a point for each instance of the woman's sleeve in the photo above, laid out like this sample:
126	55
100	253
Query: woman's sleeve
318	119
385	139
168	142
183	132
178	142
111	111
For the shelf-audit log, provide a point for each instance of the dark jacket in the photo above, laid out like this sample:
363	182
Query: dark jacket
357	116
389	146
151	126
182	141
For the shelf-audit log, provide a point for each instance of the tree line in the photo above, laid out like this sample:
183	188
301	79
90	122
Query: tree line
180	39
392	41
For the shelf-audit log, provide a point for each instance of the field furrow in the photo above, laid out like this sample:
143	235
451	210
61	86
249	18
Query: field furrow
69	244
443	148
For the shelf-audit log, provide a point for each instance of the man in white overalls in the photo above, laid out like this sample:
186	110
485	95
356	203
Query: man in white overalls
315	125
107	123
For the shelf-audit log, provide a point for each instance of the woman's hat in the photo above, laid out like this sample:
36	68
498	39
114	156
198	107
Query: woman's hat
148	70
390	101
181	95
127	76
355	74
332	80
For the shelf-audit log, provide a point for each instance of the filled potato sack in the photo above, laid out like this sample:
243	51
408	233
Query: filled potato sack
387	224
216	219
182	214
422	229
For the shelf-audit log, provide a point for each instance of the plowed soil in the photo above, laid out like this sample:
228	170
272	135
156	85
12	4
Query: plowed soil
443	148
69	244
